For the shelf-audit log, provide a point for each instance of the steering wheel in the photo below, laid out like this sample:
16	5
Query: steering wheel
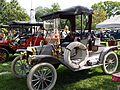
70	37
15	40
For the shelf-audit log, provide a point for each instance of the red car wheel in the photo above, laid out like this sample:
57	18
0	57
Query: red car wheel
4	55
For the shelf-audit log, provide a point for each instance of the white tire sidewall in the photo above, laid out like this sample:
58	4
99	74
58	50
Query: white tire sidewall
105	70
29	77
67	52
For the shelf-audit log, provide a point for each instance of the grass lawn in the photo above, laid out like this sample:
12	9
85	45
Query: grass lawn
93	79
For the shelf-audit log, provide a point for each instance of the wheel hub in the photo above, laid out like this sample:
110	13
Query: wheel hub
23	67
43	77
110	61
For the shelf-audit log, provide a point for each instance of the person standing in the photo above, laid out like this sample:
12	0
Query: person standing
65	32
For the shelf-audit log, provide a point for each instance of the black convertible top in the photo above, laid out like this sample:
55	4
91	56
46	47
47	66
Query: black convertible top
76	10
4	26
24	23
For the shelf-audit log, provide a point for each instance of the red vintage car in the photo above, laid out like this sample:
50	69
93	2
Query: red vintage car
20	35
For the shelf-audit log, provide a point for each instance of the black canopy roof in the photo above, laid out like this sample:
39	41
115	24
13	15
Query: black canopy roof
4	26
23	23
76	10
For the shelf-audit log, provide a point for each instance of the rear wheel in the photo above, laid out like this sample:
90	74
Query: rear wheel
42	77
4	55
20	67
110	63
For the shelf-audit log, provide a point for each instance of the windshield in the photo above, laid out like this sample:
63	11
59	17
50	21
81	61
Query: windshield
82	25
82	22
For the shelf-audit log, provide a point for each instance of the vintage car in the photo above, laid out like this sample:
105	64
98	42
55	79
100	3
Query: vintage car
75	51
20	35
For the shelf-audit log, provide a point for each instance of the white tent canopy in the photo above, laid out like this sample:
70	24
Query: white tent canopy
113	22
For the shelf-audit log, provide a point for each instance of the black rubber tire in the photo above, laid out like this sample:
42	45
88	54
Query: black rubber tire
31	78
4	55
23	66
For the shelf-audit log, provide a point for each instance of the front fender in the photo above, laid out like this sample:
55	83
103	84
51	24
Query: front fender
44	58
105	51
20	50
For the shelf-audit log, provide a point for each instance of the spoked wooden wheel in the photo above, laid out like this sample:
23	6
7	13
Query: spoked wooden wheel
20	67
110	63
42	77
4	55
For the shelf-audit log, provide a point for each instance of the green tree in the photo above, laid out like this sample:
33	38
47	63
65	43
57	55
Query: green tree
44	10
104	10
111	8
98	16
2	4
18	12
55	7
40	11
12	11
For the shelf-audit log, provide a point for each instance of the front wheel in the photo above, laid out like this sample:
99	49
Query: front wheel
4	55
20	67
110	63
42	77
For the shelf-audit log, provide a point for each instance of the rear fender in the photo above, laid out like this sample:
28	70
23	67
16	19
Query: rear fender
105	51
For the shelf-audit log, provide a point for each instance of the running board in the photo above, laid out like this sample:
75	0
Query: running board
87	67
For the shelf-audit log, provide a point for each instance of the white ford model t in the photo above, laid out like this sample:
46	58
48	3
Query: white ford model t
79	50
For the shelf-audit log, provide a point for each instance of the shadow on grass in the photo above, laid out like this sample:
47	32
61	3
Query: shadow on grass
93	79
70	76
84	80
8	82
12	57
67	80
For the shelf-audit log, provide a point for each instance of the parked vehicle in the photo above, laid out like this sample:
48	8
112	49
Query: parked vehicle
20	35
76	52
